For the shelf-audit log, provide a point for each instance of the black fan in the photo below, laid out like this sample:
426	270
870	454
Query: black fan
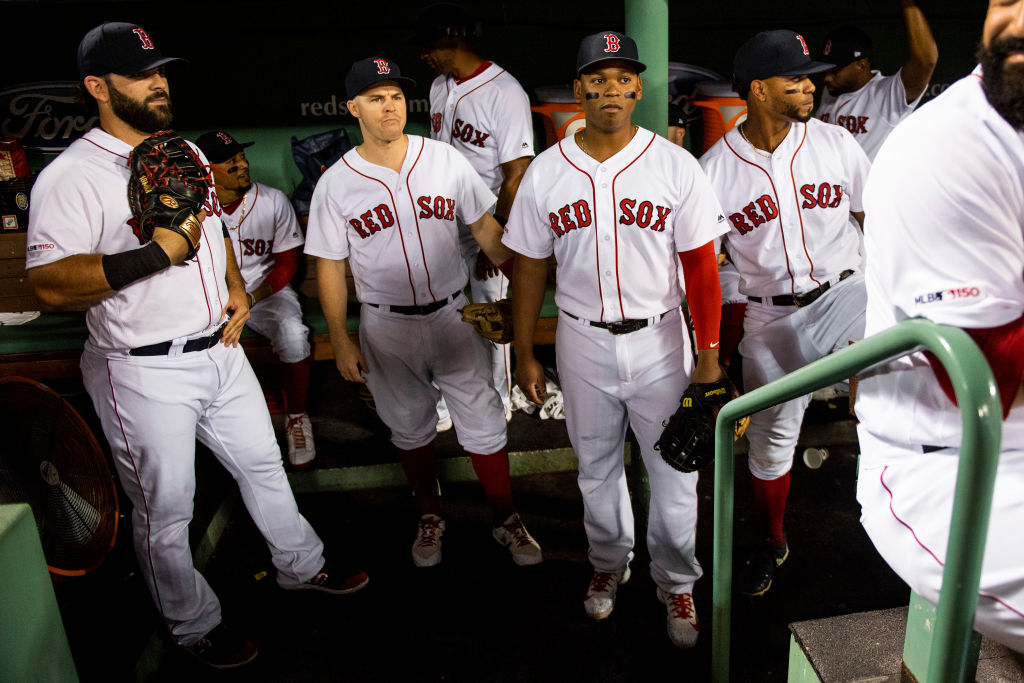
51	460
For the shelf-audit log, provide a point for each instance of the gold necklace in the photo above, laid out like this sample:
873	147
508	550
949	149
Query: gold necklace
242	214
766	155
579	140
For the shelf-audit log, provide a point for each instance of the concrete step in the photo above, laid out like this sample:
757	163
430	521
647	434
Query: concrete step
868	647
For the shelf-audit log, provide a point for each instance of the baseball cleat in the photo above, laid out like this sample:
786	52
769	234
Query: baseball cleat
600	598
299	435
759	570
682	618
426	549
513	535
222	649
329	580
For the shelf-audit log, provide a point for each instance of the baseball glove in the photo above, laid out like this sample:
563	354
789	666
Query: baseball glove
688	440
167	188
492	320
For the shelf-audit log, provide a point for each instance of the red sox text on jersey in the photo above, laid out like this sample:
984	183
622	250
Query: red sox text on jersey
764	209
461	130
644	214
853	123
438	207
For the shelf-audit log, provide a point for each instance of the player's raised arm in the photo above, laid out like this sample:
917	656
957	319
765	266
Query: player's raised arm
924	53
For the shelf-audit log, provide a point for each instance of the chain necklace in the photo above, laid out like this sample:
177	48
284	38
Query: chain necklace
242	214
579	140
766	155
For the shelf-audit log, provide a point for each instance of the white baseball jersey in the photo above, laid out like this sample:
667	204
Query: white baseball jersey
262	225
486	117
615	227
789	213
935	250
870	112
398	230
940	245
80	206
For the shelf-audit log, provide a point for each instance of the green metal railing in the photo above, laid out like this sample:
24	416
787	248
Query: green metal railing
979	456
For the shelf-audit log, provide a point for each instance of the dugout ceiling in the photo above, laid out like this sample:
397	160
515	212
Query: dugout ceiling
282	63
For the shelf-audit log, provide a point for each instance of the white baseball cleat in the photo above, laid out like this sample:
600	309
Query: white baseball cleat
681	619
299	435
513	535
600	598
426	549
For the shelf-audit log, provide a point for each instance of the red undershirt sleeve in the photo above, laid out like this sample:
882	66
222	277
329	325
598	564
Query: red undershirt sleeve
1003	348
703	293
286	264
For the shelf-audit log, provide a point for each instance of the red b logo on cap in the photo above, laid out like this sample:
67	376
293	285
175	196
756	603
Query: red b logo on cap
611	42
828	47
803	44
382	66
147	44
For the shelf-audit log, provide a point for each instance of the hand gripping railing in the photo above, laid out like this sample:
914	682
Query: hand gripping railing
979	456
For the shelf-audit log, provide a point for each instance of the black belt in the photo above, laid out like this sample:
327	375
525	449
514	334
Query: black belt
163	348
420	310
803	299
931	449
620	327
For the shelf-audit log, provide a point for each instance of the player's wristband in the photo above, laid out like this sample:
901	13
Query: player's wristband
502	220
252	299
128	266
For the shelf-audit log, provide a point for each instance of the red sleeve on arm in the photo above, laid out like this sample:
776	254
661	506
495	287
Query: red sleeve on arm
286	263
703	293
1003	348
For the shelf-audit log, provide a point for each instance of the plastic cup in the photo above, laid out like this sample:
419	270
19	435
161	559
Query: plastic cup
814	457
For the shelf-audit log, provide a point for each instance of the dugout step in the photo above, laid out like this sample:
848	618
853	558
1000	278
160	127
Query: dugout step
868	646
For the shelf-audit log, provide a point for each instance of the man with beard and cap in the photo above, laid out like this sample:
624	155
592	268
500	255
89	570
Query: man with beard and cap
622	210
944	240
161	365
865	102
267	240
789	185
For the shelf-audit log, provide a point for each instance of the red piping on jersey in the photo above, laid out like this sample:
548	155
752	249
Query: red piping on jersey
142	490
213	267
597	253
778	205
615	224
799	213
462	97
881	479
398	222
416	217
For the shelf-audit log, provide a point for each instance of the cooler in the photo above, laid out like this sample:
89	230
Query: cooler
559	111
721	109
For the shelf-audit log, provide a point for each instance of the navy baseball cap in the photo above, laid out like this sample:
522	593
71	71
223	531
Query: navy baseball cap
219	146
371	70
120	48
846	45
606	45
775	53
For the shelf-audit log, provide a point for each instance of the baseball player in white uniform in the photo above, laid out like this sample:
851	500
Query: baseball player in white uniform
620	208
267	240
862	100
161	365
788	184
933	250
482	110
390	209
